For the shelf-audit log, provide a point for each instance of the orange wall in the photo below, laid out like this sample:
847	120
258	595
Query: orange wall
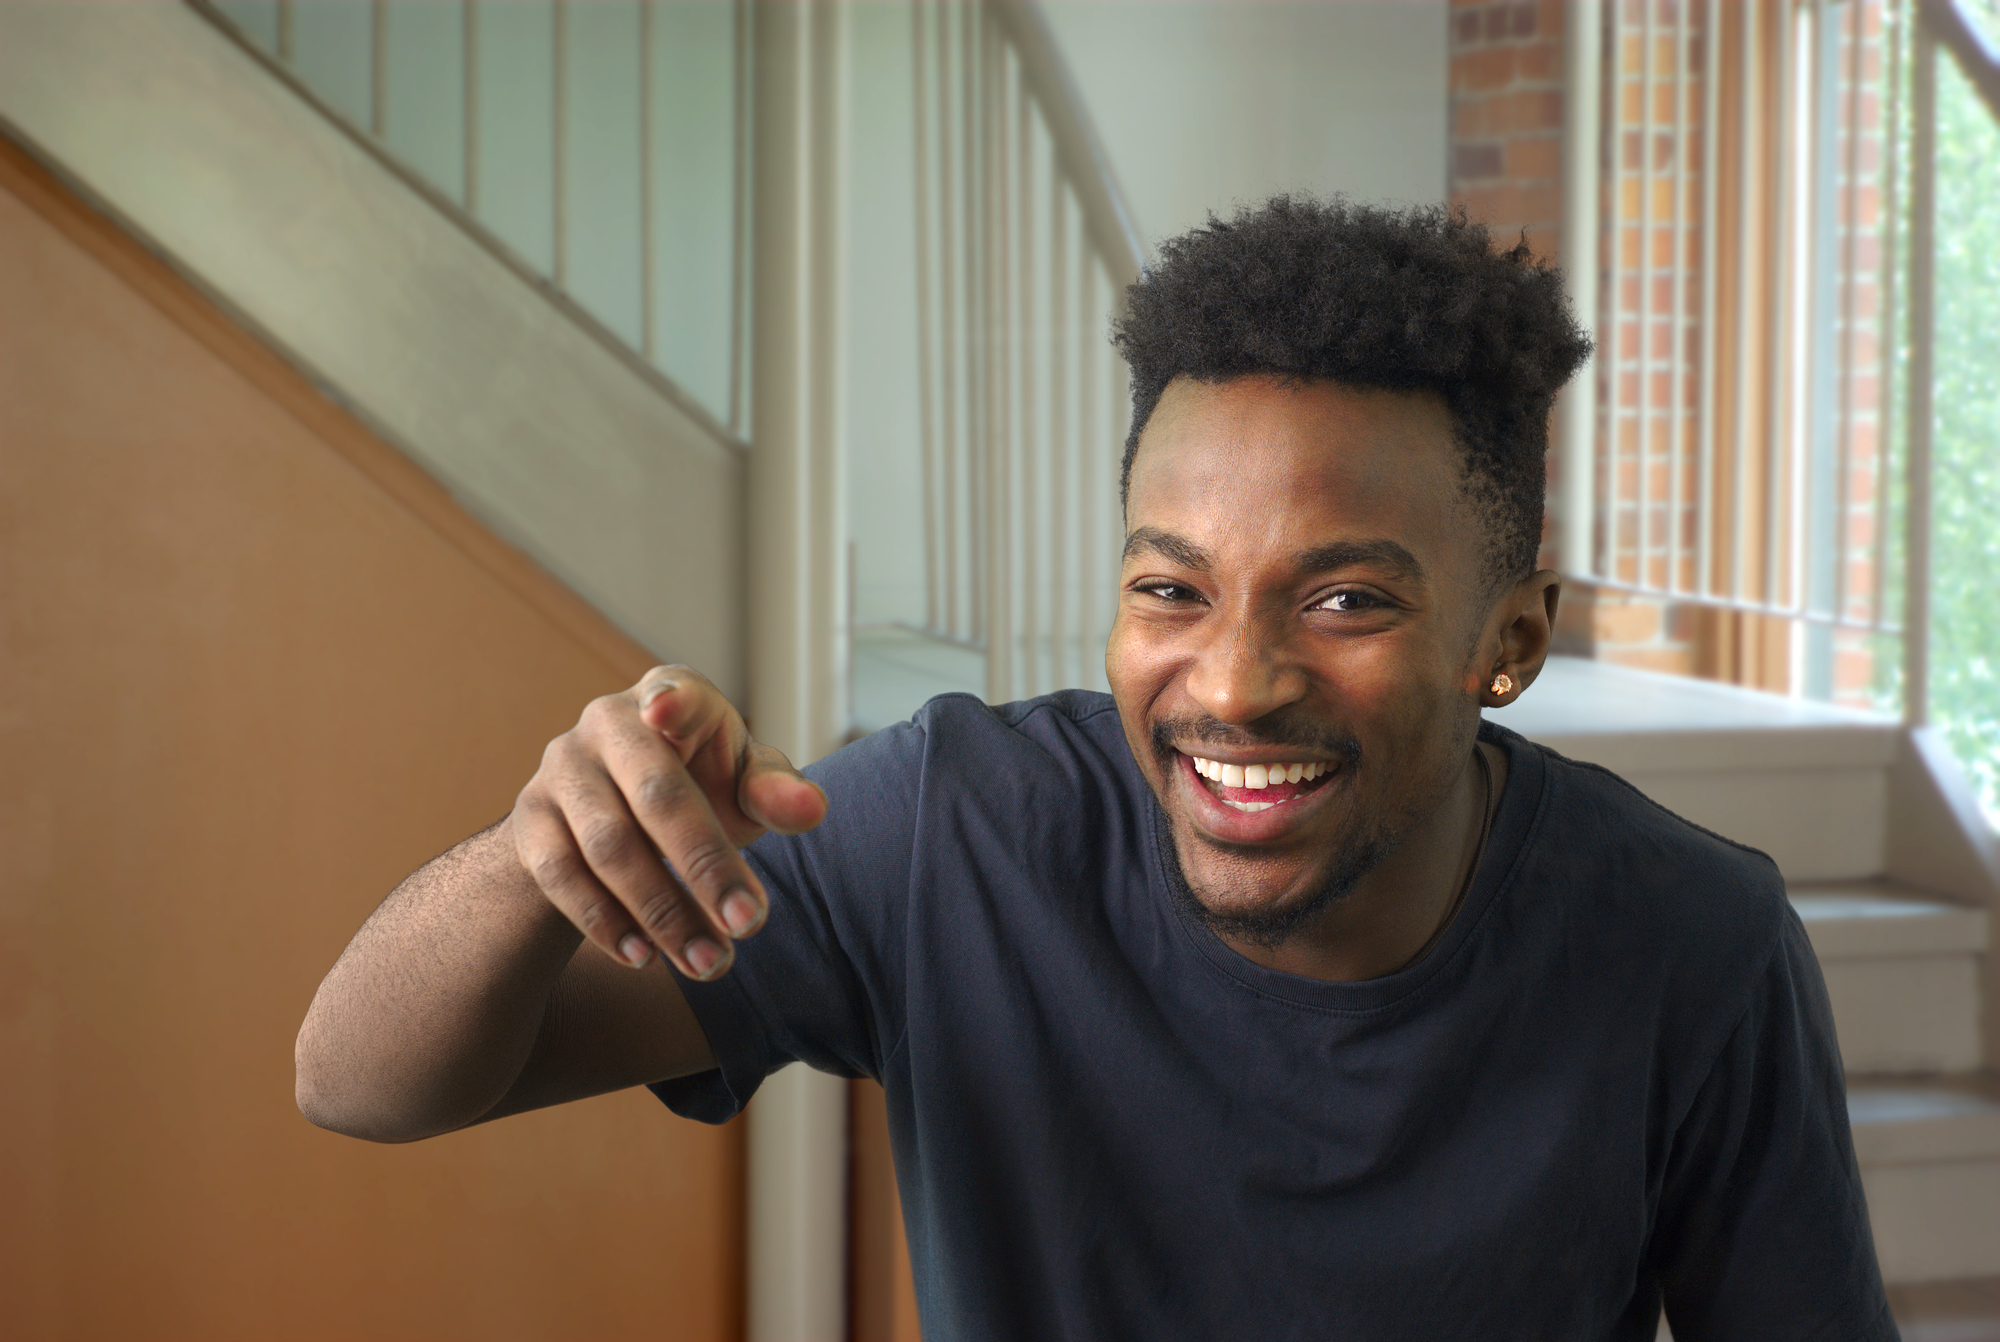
256	668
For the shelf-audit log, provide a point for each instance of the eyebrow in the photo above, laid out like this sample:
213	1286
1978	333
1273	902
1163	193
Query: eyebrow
1383	554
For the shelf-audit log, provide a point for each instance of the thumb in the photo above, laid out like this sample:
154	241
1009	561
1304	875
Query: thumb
777	796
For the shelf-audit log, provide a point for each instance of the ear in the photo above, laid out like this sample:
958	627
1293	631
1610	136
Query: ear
1516	642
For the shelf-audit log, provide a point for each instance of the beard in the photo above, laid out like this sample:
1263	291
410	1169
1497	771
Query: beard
1271	927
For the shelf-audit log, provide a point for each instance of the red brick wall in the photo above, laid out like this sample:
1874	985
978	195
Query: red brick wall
1507	117
1508	100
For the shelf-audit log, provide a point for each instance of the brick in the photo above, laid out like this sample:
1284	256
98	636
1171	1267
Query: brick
1521	20
1537	157
1539	61
1465	26
1483	69
1471	162
1533	109
1496	24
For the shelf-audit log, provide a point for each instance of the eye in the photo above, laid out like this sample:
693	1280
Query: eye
1171	592
1349	600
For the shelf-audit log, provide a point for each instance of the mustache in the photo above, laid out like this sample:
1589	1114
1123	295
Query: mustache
1303	734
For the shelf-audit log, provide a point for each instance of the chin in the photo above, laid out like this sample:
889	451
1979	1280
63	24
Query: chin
1257	917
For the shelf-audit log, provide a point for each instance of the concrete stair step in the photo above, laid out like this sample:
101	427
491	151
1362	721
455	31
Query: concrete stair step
1805	782
1903	973
1930	1163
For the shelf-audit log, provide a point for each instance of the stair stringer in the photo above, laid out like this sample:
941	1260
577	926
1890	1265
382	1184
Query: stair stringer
1938	838
532	420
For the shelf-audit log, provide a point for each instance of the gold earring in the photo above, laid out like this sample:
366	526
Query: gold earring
1502	684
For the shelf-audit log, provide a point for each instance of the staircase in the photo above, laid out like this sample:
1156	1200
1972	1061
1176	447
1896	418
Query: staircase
1893	873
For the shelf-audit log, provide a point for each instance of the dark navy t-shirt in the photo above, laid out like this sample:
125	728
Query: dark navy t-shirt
1613	1078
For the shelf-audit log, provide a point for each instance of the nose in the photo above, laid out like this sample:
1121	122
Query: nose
1244	671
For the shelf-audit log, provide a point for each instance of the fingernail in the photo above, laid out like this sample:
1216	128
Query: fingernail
660	688
635	950
740	913
704	957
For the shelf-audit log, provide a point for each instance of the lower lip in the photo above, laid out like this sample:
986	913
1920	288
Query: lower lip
1223	821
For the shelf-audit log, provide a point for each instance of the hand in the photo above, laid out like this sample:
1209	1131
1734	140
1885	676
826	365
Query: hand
664	770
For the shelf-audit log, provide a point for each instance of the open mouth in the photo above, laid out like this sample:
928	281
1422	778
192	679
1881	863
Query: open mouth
1260	787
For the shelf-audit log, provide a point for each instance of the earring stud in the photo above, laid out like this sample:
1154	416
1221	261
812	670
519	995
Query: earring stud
1502	684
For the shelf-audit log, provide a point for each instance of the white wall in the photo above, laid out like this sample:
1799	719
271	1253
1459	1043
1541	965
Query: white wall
1206	103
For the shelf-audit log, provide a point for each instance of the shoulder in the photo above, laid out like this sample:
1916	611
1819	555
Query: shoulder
1645	884
958	751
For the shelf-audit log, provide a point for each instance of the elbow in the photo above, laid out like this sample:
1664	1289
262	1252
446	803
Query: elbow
353	1099
329	1098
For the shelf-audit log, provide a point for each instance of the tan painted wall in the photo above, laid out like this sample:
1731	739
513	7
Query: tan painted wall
256	667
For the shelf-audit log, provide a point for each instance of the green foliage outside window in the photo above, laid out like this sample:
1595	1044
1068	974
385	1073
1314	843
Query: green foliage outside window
1965	520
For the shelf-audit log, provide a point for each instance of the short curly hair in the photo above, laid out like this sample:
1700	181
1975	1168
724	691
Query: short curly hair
1404	300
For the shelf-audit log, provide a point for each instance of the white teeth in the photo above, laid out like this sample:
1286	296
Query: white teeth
1249	805
1256	775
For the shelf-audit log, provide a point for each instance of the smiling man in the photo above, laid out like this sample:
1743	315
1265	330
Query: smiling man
1272	996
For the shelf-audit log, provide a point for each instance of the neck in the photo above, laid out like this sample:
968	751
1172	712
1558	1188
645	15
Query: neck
1398	910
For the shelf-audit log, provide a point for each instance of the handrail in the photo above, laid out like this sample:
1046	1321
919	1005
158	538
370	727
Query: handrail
1084	162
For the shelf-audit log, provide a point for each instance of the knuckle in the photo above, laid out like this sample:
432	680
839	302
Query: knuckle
551	866
664	915
707	863
661	790
603	839
598	919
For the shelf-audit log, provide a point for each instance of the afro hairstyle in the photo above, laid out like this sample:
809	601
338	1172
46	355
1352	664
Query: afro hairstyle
1402	300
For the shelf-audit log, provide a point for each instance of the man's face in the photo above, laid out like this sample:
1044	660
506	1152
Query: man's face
1303	598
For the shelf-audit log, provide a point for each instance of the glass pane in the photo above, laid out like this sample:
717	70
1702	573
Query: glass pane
425	103
600	158
256	19
333	45
1965	523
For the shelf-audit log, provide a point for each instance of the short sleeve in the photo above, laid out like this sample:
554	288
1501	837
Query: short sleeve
1762	1232
818	983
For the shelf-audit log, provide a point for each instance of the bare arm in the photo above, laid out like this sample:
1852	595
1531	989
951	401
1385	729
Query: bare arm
471	994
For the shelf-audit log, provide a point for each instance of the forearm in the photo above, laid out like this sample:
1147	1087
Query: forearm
429	1016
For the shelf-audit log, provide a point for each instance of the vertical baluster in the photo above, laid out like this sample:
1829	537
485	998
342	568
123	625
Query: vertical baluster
1918	423
1747	182
976	391
1711	252
1895	17
1059	477
1776	435
926	406
1025	417
1677	325
951	353
1606	492
559	143
1089	453
378	68
471	62
648	278
1649	61
999	315
1849	271
739	224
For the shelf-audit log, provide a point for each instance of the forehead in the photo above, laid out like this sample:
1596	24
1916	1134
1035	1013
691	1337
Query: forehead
1313	461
